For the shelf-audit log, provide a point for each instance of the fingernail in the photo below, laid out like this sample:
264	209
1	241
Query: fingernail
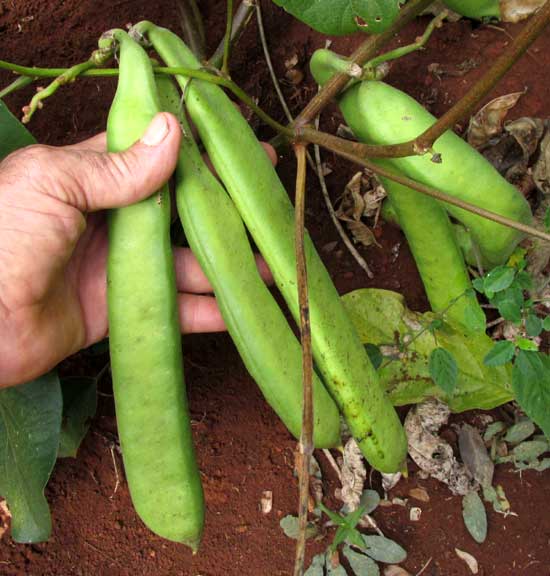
156	131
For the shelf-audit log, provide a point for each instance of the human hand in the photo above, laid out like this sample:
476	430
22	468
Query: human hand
53	246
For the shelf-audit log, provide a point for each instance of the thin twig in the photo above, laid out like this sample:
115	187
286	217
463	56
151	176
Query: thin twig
333	463
306	436
418	44
365	52
371	523
443	197
192	27
241	18
269	63
117	480
315	165
337	224
227	38
465	106
424	568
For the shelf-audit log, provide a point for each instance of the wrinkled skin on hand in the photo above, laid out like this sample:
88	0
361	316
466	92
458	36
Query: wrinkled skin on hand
53	246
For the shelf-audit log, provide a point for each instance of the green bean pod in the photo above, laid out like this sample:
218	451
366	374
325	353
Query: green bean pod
265	207
384	115
431	238
477	9
424	222
218	238
144	334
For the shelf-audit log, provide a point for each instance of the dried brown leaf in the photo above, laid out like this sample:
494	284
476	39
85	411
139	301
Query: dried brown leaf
394	570
471	562
419	494
353	475
361	233
516	10
489	120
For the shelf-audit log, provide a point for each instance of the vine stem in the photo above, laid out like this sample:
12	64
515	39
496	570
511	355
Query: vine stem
241	18
365	52
227	39
306	436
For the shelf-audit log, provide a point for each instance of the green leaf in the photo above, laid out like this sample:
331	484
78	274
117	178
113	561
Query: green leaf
531	383
444	370
546	323
520	431
375	356
499	279
333	570
547	218
290	525
381	318
501	353
383	549
526	344
79	406
316	568
13	134
510	303
494	429
30	419
342	17
524	280
530	450
360	564
533	325
475	516
479	284
370	500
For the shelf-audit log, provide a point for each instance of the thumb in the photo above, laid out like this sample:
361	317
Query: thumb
110	180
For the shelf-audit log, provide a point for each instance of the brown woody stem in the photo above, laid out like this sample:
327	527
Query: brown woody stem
306	437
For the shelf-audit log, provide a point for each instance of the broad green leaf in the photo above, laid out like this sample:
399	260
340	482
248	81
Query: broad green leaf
499	279
531	383
380	316
290	525
546	323
342	17
360	564
524	280
79	406
316	568
30	419
501	353
444	370
370	500
383	549
509	303
13	134
475	516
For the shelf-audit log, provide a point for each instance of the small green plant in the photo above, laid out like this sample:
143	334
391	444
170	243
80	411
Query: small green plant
507	290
